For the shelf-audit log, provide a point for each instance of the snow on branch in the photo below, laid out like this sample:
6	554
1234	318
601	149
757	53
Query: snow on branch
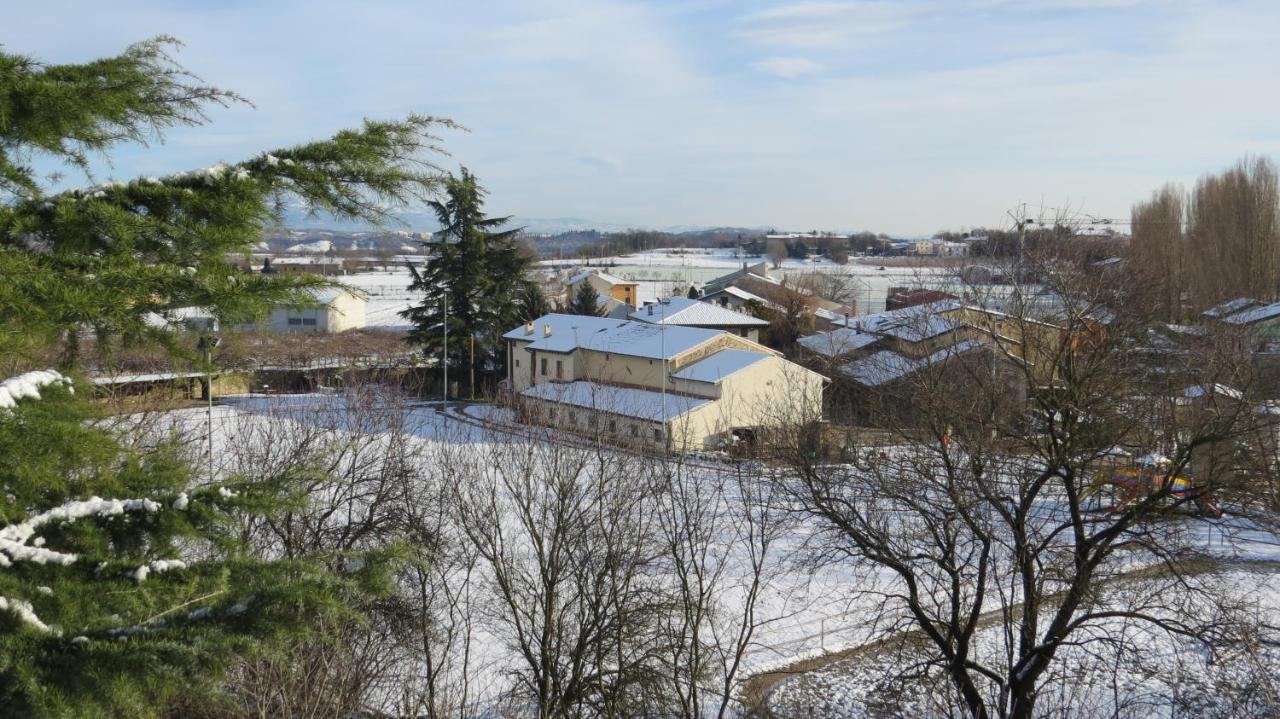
25	613
160	565
13	538
27	385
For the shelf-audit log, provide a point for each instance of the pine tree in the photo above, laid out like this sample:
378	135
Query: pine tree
111	256
474	271
693	292
531	302
123	574
586	301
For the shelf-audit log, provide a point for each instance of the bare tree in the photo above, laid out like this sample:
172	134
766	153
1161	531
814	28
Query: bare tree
718	531
776	251
567	551
990	506
1158	252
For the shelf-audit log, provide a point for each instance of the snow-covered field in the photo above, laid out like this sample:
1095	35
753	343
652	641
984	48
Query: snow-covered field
664	270
660	274
800	612
1158	674
803	612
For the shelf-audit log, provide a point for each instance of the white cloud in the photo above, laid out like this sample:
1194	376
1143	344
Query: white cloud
787	68
818	24
914	116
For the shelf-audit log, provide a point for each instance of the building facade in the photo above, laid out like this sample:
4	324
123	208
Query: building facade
684	388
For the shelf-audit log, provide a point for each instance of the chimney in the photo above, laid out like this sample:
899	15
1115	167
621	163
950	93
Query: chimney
528	327
546	330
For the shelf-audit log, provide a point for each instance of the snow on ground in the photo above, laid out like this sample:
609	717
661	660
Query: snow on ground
662	273
1159	674
659	275
801	612
804	611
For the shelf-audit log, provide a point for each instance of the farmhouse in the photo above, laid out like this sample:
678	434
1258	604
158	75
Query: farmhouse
607	286
654	385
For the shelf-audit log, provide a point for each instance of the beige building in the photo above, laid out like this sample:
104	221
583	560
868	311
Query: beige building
607	286
651	384
337	309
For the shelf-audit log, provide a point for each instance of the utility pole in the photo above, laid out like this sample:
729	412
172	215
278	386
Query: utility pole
662	342
206	345
444	359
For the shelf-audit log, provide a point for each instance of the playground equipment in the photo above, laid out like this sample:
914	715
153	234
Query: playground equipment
1147	475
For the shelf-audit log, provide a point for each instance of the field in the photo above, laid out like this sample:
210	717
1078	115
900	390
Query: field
819	645
662	273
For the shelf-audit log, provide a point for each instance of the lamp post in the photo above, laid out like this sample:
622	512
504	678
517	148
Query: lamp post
444	359
206	345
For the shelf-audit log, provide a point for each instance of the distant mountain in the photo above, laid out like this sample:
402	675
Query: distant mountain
412	220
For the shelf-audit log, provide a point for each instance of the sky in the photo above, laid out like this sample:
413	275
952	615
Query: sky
898	116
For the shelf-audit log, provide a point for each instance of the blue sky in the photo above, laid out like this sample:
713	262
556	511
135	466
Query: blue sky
903	116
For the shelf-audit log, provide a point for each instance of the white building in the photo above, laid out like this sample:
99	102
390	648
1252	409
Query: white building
336	309
693	313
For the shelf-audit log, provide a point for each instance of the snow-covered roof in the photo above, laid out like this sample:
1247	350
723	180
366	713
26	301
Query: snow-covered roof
1204	390
626	401
837	342
886	366
1257	314
328	295
912	324
602	334
151	377
611	279
742	295
684	311
720	365
1231	307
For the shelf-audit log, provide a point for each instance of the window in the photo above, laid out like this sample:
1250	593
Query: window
517	363
559	369
294	321
551	414
657	435
544	366
635	431
613	426
311	321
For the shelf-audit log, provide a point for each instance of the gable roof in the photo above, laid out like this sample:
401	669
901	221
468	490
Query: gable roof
912	324
740	294
602	334
716	367
610	279
837	342
684	311
626	401
759	270
1231	307
887	366
1257	314
328	295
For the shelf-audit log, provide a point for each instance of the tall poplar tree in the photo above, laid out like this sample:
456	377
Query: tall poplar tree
123	576
473	279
